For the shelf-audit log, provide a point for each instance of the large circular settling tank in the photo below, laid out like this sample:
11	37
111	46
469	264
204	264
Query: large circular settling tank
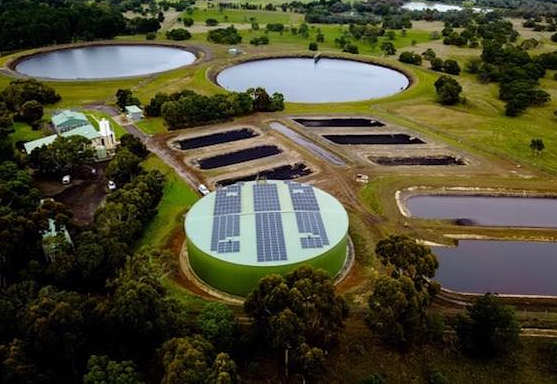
306	80
104	62
245	231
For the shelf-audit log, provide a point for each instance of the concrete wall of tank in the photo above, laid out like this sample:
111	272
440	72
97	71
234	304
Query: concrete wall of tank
240	279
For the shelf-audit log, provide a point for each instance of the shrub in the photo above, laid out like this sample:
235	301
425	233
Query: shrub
410	58
151	36
313	46
211	22
451	67
436	64
351	48
224	36
188	21
178	34
262	40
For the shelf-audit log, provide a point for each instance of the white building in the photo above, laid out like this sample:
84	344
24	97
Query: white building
133	112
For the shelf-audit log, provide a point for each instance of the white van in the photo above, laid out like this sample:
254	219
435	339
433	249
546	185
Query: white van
202	188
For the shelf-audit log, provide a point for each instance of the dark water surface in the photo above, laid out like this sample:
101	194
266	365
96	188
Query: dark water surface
506	267
99	62
488	210
240	156
302	80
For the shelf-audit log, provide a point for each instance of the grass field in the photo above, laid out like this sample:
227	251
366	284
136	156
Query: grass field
176	200
245	16
23	133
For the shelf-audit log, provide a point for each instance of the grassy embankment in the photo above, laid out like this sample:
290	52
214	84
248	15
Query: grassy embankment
162	230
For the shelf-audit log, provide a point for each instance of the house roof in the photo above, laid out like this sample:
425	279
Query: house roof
68	115
87	131
30	145
133	109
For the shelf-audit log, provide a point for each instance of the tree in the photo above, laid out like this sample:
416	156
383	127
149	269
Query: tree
186	360
313	46
63	156
134	145
217	324
388	48
123	167
436	64
448	90
390	35
451	67
124	97
31	112
404	257
100	369
410	58
489	328
301	306
351	48
188	21
537	146
228	36
473	65
211	22
223	370
178	34
428	54
397	310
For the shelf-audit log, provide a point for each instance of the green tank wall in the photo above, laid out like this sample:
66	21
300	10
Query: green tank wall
241	279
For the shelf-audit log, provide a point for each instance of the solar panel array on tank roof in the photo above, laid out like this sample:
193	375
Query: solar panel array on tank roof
268	223
308	216
226	219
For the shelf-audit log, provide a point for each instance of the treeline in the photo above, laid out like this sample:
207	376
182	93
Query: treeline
187	108
28	24
517	72
23	100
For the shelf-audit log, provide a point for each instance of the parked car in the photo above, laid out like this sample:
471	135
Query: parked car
202	188
111	185
66	179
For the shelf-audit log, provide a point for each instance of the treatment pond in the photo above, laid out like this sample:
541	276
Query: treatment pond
505	267
487	210
104	61
305	80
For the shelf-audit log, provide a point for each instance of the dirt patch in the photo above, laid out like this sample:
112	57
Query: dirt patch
240	156
216	138
82	196
284	172
417	160
340	122
386	139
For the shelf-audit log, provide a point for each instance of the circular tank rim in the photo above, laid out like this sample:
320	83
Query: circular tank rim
199	52
337	210
215	71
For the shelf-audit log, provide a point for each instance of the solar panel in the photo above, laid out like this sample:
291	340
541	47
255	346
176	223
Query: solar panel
226	219
270	237
308	216
265	197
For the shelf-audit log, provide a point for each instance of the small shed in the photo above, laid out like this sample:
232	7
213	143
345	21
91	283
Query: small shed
133	112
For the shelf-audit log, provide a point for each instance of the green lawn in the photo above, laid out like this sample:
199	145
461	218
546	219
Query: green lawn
118	130
24	133
244	16
152	125
176	200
